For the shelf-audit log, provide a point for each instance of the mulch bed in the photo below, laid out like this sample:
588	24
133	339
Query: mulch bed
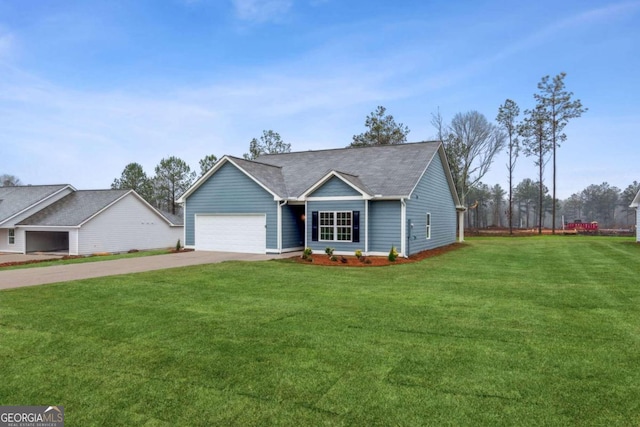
375	261
35	261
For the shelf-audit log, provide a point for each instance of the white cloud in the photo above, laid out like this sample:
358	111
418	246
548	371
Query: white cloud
261	10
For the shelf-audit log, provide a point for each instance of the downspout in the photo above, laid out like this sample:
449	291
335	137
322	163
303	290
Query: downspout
366	227
403	229
306	216
184	225
279	231
460	210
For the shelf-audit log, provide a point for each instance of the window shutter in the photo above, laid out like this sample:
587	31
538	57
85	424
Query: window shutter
314	226
356	227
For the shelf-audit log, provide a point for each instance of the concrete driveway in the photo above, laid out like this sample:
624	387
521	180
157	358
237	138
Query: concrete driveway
64	273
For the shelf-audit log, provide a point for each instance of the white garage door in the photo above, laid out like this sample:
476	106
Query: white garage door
231	233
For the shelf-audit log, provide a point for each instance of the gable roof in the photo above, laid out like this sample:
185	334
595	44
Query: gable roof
385	171
80	206
18	199
349	179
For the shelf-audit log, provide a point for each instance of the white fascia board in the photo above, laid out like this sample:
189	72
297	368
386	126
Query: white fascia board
636	201
28	227
373	199
335	198
326	178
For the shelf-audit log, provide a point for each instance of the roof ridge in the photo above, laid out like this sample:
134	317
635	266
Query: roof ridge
404	144
253	161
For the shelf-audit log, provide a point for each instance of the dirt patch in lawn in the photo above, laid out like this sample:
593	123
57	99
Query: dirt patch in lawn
374	261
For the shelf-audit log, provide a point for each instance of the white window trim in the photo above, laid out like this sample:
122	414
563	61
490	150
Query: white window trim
335	226
428	225
11	236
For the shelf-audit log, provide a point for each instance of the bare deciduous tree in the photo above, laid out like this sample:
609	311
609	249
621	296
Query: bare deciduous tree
471	143
7	180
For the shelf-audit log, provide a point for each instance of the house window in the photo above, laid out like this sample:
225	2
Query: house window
428	225
12	236
327	225
336	226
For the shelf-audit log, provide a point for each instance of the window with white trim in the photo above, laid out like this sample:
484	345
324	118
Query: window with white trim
12	236
428	225
336	226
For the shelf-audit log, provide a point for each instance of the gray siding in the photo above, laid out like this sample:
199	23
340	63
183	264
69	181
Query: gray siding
333	188
638	224
350	205
231	191
384	225
432	194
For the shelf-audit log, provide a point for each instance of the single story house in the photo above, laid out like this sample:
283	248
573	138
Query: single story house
59	218
636	204
369	198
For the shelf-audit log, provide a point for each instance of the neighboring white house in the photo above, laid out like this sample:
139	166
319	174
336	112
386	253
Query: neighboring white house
82	222
636	204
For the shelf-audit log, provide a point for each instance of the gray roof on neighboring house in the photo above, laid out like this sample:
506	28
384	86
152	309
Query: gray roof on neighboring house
388	170
173	219
75	208
14	200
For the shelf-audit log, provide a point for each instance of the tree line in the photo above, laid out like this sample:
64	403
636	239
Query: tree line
471	144
603	203
173	176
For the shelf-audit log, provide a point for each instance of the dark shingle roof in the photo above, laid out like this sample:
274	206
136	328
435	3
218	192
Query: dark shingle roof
269	175
173	219
75	208
14	200
388	171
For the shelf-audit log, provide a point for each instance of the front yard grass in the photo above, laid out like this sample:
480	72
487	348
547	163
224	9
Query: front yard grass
505	331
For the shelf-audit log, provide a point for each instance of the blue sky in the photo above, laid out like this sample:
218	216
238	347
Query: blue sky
87	87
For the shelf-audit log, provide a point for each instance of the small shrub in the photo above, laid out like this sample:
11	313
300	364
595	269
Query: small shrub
367	261
307	253
358	253
178	245
333	258
393	254
329	251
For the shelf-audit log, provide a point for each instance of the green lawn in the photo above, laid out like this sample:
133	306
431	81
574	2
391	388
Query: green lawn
504	331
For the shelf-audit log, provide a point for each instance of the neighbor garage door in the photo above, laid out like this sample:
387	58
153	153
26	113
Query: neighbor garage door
231	233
